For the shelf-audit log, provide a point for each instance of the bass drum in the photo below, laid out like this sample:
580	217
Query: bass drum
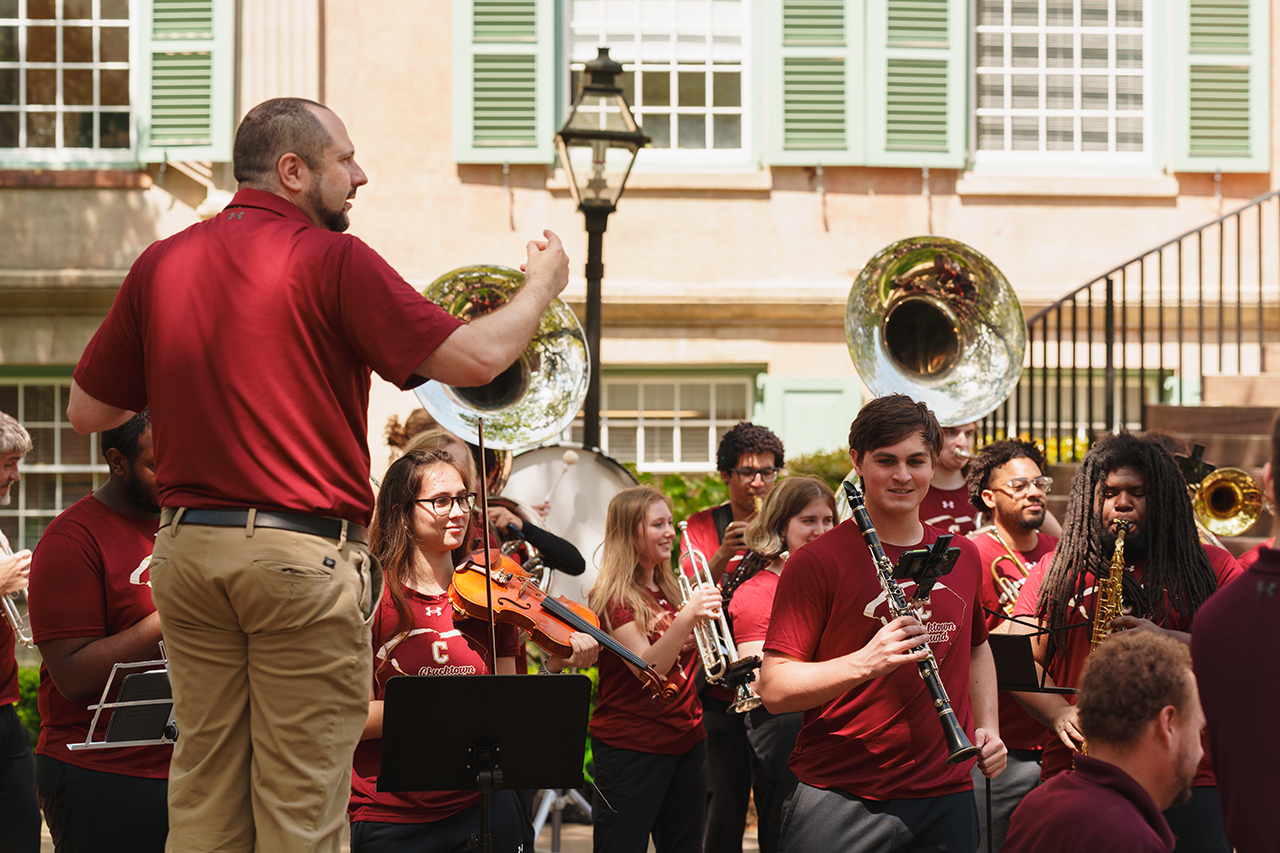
578	483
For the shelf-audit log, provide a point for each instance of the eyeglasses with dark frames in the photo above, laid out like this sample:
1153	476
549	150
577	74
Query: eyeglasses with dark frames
441	504
748	475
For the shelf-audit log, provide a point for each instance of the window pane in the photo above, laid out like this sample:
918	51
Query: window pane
659	401
1128	13
1093	134
731	402
1059	135
624	400
75	447
727	131
77	44
1128	134
9	524
1059	50
42	86
74	487
1093	13
42	450
693	131
694	444
990	12
693	88
8	85
1093	51
622	443
991	50
38	403
33	527
114	132
1026	133
695	401
990	133
628	83
991	91
726	89
1026	50
1059	13
8	44
1093	92
1128	93
1059	92
1026	92
77	87
113	44
77	130
41	46
43	9
115	87
76	9
115	9
8	130
659	129
8	8
659	444
656	88
1128	51
1026	13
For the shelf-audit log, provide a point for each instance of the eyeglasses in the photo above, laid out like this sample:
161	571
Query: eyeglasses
747	475
1018	485
441	504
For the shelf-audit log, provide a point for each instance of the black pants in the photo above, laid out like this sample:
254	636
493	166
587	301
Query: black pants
642	794
19	812
829	819
772	738
506	823
728	775
1198	823
89	811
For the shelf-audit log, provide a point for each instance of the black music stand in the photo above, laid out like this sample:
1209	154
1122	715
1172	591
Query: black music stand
477	733
1016	665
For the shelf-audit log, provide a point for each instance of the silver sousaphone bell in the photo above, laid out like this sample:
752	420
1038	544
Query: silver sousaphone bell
535	398
934	319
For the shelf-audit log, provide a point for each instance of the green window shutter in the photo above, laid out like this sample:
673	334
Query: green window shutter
809	414
1220	92
504	81
917	82
187	67
815	82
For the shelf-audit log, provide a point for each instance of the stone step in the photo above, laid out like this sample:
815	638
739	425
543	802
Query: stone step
1260	390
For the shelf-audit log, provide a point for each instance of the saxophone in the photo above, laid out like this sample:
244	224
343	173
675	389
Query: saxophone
1110	592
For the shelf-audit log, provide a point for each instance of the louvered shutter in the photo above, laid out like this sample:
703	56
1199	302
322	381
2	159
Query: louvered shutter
504	81
187	69
815	82
1221	85
917	72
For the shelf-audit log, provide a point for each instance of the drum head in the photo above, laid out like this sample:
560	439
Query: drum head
579	501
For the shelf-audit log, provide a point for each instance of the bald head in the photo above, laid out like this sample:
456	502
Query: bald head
272	129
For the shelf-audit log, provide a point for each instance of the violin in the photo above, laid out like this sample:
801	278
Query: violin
550	621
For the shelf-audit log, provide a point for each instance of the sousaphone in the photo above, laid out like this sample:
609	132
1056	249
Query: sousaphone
935	319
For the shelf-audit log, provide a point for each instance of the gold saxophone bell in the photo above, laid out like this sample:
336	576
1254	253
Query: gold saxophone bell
1227	501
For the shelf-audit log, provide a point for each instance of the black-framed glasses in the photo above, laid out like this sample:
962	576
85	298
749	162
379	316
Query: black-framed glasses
441	504
1018	485
747	475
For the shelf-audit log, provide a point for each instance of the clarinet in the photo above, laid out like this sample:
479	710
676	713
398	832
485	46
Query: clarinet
958	746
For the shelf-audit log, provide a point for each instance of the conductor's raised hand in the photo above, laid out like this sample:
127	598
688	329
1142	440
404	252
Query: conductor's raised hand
548	265
893	645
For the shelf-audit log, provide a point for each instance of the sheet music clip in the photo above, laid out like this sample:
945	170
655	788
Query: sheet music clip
926	565
142	714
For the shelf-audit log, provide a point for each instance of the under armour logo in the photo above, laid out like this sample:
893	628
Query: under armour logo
434	609
1268	588
239	214
948	504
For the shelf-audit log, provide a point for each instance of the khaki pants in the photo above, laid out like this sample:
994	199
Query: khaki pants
267	633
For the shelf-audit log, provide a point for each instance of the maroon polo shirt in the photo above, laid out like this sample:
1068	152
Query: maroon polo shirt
251	336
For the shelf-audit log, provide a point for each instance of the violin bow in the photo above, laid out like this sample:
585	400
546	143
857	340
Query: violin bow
484	528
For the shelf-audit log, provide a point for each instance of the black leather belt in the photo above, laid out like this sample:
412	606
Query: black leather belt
316	525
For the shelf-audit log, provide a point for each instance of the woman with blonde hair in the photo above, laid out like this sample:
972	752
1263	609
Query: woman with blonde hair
797	511
649	758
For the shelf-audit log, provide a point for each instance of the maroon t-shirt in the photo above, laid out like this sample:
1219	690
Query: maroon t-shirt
949	510
1018	729
1235	643
1248	558
251	335
435	644
626	718
1070	655
1098	807
881	740
8	662
90	577
751	605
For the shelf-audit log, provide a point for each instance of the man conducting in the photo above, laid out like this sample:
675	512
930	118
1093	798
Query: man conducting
91	608
1139	710
871	757
1006	480
1167	575
252	336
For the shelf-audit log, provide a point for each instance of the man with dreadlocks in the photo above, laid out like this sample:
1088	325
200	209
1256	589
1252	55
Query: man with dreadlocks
1168	575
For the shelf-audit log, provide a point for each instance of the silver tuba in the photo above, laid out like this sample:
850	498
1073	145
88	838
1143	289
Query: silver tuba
934	319
719	653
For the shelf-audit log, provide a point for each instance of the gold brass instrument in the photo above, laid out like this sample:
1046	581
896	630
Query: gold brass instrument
11	613
719	653
535	398
1007	587
934	319
758	502
1110	593
1227	502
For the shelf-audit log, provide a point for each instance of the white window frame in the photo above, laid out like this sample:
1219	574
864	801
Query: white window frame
79	157
677	159
1153	54
17	512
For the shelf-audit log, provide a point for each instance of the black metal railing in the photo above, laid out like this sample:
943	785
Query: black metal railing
1205	303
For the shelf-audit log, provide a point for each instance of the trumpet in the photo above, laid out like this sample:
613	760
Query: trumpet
11	613
716	648
1007	587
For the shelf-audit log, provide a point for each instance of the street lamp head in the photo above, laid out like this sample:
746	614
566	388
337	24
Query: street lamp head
600	140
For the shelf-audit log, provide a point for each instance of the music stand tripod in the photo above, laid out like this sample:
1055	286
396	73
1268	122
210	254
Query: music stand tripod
473	733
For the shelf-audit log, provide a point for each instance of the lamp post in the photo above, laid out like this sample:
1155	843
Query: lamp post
598	146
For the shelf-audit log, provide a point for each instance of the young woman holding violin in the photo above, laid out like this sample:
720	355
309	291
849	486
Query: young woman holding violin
797	511
421	530
649	757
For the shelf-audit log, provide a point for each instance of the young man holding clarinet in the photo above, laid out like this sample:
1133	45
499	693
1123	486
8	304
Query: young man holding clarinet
882	764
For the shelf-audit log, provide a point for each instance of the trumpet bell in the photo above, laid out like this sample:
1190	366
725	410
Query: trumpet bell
535	398
1228	501
935	319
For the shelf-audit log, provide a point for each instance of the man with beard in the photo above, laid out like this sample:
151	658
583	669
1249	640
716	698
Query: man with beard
19	812
91	608
252	336
946	505
1006	480
1168	574
1140	712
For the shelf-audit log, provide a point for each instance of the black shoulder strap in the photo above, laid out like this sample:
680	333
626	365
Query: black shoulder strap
722	515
